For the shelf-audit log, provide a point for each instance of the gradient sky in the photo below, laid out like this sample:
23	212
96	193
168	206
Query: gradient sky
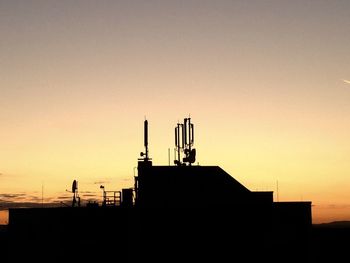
266	84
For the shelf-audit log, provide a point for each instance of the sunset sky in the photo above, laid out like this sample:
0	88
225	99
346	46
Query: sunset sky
266	83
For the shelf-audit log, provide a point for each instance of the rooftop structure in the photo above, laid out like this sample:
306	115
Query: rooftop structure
184	212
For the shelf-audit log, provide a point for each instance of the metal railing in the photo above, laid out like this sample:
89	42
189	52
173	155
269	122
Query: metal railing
111	198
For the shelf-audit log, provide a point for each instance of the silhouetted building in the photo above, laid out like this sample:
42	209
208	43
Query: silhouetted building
173	213
205	206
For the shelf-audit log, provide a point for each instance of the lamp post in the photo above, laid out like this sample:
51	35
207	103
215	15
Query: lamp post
104	195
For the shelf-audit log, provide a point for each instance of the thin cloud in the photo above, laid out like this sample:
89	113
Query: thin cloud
126	179
12	196
346	81
23	198
102	182
334	206
9	205
33	198
63	198
28	200
90	195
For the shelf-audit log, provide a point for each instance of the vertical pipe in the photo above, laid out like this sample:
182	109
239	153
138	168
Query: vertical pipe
183	137
189	136
169	156
176	142
192	133
185	131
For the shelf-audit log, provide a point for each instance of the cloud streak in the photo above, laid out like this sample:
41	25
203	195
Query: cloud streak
102	182
9	205
334	206
28	200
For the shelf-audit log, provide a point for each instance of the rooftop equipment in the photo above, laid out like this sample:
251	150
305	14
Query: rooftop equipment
184	141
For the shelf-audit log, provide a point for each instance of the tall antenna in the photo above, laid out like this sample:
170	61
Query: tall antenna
277	192
145	136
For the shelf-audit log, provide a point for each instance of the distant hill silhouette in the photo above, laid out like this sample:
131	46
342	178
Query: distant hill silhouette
330	241
334	224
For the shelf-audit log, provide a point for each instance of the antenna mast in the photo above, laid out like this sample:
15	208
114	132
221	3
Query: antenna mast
146	138
184	140
145	154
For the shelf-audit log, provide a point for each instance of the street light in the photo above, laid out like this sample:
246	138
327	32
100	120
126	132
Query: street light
104	195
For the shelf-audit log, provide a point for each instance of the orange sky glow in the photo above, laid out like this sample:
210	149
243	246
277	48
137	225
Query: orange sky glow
265	83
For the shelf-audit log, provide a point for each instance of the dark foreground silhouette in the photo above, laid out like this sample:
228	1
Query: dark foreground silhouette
326	244
183	213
